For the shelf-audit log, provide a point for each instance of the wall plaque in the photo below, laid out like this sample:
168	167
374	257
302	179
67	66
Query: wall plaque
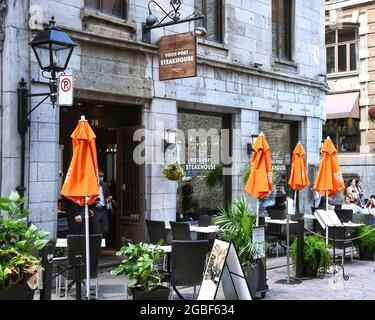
177	56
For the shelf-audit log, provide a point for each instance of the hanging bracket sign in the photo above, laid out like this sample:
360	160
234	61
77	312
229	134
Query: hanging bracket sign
177	56
66	90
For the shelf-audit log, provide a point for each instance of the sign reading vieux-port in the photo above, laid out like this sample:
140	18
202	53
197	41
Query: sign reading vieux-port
177	56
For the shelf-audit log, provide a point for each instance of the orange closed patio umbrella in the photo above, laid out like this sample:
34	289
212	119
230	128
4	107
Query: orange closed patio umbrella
298	180
259	183
81	184
329	179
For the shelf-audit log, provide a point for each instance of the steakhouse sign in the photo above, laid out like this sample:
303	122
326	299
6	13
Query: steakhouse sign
177	56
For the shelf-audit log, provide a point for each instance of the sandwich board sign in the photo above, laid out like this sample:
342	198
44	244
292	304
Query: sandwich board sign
223	254
65	90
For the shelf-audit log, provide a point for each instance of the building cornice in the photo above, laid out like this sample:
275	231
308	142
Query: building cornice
346	4
202	60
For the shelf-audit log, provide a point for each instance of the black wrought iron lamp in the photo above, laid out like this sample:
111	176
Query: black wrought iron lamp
174	17
53	49
250	150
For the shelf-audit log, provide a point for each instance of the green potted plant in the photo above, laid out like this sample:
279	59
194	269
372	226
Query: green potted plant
20	269
173	171
365	242
215	177
144	278
315	255
237	224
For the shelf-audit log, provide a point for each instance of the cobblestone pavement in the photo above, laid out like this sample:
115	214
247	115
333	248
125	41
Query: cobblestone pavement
360	285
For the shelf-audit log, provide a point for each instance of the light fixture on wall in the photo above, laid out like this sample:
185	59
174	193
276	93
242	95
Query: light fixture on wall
250	149
169	138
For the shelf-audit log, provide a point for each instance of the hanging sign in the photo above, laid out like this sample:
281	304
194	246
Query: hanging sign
177	56
65	91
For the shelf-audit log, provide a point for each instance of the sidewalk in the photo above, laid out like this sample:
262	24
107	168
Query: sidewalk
360	286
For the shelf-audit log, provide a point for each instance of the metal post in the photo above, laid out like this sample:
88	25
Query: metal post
300	243
47	259
78	264
257	221
287	249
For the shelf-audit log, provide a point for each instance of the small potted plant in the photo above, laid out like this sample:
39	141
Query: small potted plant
20	269
173	171
141	265
237	224
315	255
215	177
365	242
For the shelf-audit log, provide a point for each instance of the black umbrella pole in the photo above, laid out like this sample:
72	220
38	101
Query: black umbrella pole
300	243
78	264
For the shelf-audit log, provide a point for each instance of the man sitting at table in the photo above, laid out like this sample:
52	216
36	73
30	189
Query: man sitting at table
352	206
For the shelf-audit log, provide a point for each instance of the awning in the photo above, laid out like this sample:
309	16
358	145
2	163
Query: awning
343	105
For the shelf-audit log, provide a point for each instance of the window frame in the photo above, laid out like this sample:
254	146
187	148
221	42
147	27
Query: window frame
219	20
124	9
336	141
348	44
288	23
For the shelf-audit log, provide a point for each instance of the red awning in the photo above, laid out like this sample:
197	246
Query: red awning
343	105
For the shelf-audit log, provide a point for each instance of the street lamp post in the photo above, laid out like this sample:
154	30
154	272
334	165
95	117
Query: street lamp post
174	15
52	48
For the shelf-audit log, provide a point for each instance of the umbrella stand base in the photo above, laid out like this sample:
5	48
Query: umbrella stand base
291	281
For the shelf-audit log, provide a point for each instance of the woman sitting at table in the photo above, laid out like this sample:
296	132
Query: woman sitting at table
352	206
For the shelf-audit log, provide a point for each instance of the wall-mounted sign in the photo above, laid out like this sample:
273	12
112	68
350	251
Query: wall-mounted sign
66	90
177	56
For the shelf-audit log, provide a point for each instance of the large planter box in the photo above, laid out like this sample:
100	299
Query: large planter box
160	293
20	291
367	254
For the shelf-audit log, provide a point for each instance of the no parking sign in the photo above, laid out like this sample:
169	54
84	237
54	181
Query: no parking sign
66	90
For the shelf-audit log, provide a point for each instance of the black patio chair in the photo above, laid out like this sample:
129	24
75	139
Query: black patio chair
345	215
180	230
205	220
156	231
362	218
339	239
188	263
77	246
270	239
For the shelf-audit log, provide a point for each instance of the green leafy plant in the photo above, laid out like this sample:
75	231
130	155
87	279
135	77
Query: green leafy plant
140	265
18	242
237	224
315	252
173	171
215	177
367	237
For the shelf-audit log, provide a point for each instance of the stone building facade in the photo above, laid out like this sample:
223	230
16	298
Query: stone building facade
356	19
116	85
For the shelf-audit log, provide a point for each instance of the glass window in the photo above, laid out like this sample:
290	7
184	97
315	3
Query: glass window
342	48
282	29
205	193
344	133
330	59
115	8
353	56
213	18
342	58
346	34
330	37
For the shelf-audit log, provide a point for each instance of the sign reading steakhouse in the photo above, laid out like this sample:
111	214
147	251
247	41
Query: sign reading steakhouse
177	56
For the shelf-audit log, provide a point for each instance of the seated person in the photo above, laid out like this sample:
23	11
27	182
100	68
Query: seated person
279	204
370	206
348	205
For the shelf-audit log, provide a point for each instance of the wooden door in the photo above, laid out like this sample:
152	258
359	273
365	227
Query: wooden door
130	189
